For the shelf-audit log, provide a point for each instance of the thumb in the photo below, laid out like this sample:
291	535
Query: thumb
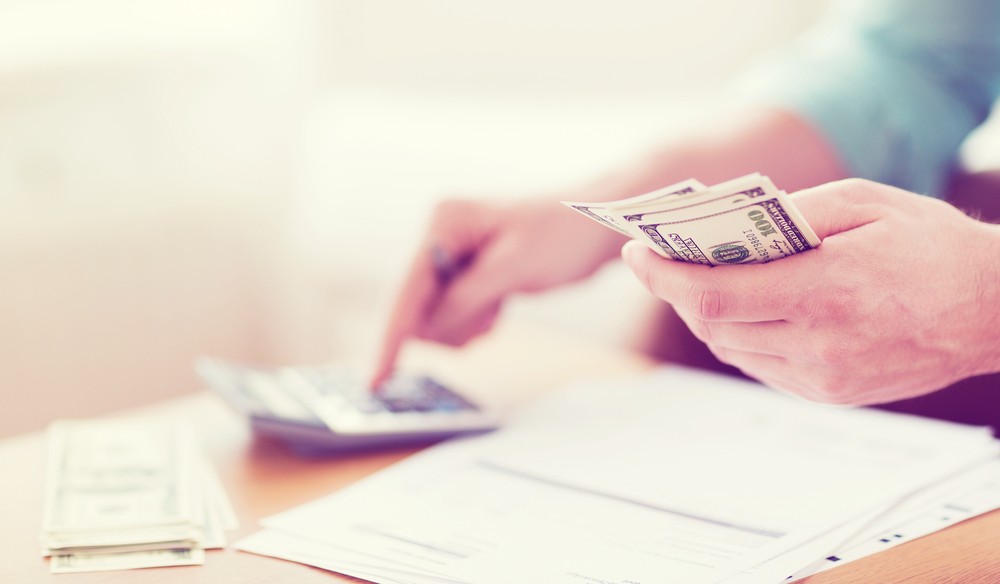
841	206
472	300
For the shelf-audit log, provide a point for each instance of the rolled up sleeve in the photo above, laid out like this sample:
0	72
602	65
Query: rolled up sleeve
894	85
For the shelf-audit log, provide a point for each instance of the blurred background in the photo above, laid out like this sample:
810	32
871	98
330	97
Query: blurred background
246	178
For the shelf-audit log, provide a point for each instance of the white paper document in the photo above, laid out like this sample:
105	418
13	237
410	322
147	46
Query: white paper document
973	492
679	476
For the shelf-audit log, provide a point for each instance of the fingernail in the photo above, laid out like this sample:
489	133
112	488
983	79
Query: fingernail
629	250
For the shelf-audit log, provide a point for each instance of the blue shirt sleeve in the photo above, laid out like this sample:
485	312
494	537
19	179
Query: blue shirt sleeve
895	85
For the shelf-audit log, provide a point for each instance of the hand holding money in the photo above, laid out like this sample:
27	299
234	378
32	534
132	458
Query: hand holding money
745	220
900	300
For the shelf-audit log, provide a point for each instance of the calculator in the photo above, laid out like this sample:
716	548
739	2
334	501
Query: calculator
329	408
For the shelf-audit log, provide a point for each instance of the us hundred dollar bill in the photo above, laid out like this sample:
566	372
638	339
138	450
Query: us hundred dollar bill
128	494
69	563
607	214
745	220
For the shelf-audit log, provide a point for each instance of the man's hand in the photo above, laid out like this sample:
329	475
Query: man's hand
475	255
901	299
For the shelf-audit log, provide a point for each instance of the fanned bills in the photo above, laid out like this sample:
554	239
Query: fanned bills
127	494
745	220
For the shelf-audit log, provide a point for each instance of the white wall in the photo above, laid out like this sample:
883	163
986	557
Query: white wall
567	47
119	98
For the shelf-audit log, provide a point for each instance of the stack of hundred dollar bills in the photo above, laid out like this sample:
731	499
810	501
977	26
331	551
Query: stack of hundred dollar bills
130	494
745	220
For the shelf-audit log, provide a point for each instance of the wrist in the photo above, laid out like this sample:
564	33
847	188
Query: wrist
591	244
989	300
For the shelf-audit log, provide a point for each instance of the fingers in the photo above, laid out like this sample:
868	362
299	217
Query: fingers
420	290
745	293
843	205
767	338
459	231
802	379
470	327
750	362
761	351
771	370
471	303
761	292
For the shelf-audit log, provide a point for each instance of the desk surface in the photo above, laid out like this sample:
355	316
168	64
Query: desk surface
263	478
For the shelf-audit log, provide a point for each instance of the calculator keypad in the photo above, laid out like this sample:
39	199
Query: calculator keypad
333	406
398	395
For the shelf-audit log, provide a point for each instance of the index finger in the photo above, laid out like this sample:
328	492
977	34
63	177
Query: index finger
420	290
744	293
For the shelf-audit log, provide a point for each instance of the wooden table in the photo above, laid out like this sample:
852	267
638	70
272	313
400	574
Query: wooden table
262	477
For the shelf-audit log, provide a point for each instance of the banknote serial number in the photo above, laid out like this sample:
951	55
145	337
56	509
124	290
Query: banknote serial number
758	246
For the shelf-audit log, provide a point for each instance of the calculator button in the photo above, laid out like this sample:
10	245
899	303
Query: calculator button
396	405
275	399
369	407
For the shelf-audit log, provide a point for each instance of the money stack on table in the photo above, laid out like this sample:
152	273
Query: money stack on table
130	494
745	220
